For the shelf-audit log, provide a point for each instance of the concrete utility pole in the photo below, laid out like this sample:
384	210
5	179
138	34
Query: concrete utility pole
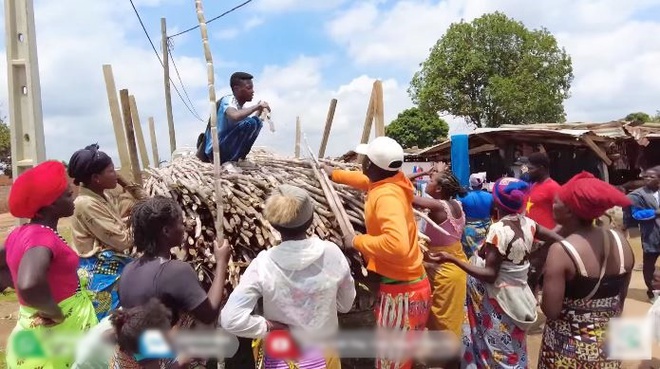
166	79
28	147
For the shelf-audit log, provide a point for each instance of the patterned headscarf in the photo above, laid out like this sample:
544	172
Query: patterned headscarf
510	193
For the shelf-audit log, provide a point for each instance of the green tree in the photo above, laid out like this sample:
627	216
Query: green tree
414	127
639	116
5	148
494	71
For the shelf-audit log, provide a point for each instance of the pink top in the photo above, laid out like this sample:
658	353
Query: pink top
453	227
62	274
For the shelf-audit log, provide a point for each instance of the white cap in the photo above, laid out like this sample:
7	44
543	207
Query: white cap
384	152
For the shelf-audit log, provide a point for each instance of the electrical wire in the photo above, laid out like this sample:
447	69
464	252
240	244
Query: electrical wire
183	86
160	60
214	18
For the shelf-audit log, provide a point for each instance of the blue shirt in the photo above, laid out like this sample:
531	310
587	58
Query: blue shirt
224	123
477	204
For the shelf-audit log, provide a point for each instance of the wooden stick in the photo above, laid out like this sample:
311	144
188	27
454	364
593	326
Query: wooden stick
328	125
297	148
379	113
214	121
130	136
117	123
368	121
154	143
138	133
166	80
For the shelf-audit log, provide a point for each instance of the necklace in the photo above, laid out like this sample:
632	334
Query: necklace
54	231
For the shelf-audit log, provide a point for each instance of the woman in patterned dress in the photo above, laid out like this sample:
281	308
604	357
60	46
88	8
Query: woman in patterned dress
587	279
500	305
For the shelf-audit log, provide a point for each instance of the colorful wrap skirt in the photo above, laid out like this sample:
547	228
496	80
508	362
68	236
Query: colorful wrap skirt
103	271
578	338
32	346
474	235
491	339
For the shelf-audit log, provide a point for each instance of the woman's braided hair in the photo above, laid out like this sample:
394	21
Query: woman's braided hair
449	184
148	219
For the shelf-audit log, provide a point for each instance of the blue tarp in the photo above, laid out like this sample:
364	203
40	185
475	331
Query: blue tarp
460	158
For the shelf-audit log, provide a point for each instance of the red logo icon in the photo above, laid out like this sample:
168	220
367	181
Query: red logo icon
281	346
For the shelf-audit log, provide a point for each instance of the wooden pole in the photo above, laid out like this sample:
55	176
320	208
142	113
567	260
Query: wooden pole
379	113
214	122
154	143
166	79
328	125
135	116
298	133
368	121
117	124
130	136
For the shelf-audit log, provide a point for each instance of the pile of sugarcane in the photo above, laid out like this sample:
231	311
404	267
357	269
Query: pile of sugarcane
191	183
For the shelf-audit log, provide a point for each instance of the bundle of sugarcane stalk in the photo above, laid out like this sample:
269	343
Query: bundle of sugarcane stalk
191	183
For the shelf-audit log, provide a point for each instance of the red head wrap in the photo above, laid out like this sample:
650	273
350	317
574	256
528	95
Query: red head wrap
588	197
37	188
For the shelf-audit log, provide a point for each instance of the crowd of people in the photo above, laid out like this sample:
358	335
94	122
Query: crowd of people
494	257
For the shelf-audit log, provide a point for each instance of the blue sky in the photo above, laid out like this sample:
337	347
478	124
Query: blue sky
304	53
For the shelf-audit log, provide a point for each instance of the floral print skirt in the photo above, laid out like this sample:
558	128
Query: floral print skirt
491	339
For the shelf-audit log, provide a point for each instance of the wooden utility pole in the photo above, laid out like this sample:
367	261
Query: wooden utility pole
135	116
166	79
28	146
328	126
154	143
117	124
298	137
130	136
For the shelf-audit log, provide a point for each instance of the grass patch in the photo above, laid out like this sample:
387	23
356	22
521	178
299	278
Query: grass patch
66	233
3	362
9	295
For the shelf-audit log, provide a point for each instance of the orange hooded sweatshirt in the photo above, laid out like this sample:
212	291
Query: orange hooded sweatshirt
390	246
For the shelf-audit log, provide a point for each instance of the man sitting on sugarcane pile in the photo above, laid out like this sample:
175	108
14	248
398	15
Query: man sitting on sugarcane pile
238	126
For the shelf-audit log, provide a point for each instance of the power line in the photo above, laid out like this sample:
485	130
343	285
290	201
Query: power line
183	86
160	60
214	18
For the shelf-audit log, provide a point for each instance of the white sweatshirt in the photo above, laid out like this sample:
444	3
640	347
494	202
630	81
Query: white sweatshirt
303	285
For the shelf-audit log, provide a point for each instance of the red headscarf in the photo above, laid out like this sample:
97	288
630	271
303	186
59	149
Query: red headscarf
588	197
37	188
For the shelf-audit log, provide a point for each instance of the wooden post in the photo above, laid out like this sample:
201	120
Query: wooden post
117	124
379	112
130	136
328	125
368	121
298	133
154	143
166	79
135	116
220	235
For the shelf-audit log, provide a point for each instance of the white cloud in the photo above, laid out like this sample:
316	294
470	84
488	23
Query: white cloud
232	33
614	60
278	6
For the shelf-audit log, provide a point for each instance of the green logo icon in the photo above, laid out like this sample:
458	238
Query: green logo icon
27	346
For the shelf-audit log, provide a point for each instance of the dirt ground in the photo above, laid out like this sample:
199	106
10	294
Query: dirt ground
636	305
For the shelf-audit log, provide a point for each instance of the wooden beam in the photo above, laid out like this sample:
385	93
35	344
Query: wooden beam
166	80
130	136
135	116
597	150
379	112
328	125
368	121
154	142
117	124
298	137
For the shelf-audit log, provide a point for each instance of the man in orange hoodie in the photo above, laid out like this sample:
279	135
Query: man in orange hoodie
390	246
